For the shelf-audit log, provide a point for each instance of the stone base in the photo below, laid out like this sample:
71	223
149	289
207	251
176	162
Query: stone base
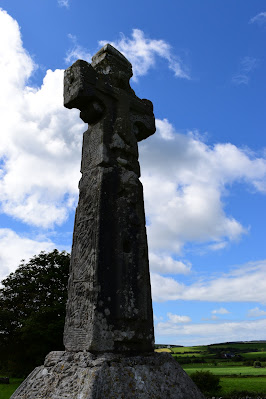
83	375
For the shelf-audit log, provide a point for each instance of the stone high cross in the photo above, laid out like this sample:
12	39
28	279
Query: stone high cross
108	334
109	304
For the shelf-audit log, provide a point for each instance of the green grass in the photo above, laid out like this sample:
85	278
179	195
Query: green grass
190	355
189	349
233	374
242	384
210	365
248	346
254	355
6	390
235	370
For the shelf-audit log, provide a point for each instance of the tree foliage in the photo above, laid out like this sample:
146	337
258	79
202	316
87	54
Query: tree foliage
32	311
207	382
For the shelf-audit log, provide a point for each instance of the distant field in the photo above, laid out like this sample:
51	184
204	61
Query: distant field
210	365
247	346
257	385
254	355
224	360
163	350
228	362
241	371
186	354
189	349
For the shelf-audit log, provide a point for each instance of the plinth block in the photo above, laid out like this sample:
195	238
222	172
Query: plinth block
83	375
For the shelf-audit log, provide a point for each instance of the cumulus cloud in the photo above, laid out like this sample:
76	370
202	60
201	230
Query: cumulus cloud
14	248
247	65
189	180
208	333
165	264
41	141
256	312
259	18
243	284
40	156
16	64
142	53
174	318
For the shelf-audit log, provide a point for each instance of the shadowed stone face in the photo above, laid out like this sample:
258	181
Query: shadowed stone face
109	306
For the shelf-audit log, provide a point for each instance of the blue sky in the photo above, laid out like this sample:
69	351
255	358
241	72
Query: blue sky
202	64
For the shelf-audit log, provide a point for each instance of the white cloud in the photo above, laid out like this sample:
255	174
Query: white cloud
39	170
142	53
15	63
218	246
167	265
76	52
40	157
220	311
165	129
259	18
175	319
189	179
40	147
14	248
207	333
247	65
256	312
246	283
63	3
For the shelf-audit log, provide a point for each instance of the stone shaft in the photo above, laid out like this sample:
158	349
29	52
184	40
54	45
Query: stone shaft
109	304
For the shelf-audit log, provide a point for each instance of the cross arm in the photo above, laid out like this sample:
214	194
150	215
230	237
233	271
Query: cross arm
79	91
143	118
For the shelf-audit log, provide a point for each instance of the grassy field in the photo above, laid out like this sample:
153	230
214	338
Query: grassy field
235	370
256	385
163	350
251	384
232	362
254	355
246	346
189	349
6	390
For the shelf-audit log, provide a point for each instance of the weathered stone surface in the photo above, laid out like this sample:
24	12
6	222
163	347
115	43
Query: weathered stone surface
108	376
109	305
109	325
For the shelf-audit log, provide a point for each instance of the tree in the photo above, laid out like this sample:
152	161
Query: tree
32	311
257	364
207	382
